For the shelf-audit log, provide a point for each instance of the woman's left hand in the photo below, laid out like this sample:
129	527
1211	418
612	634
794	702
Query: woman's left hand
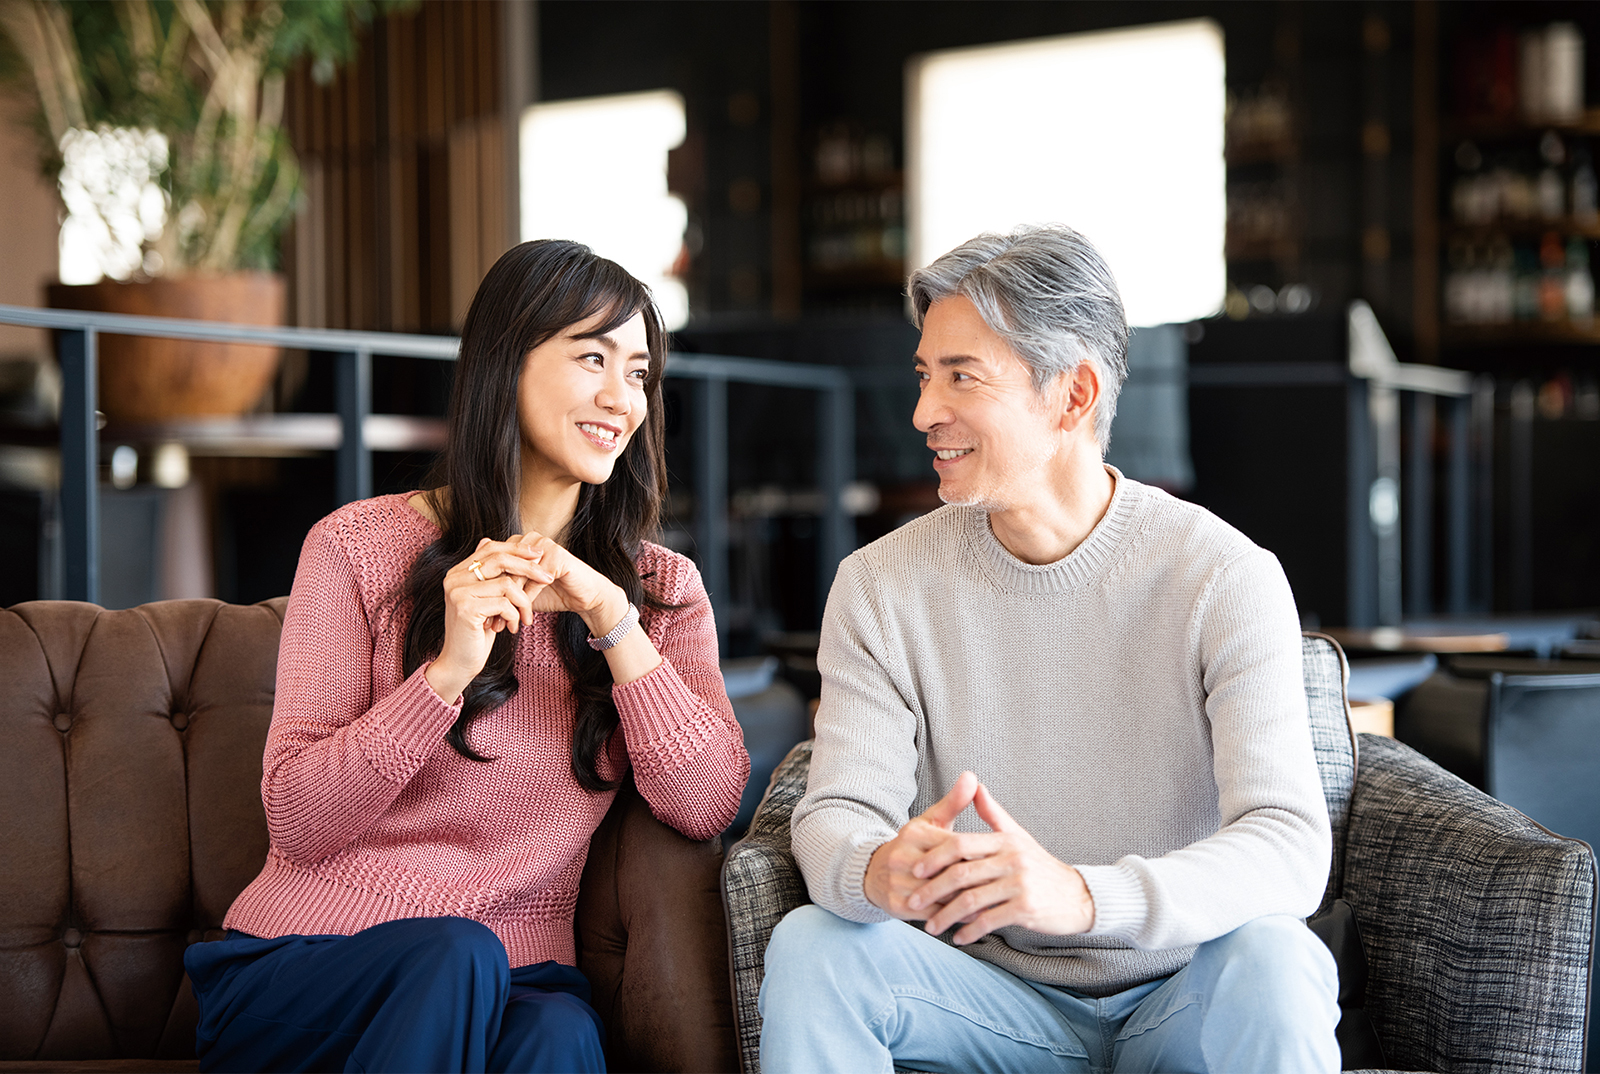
574	587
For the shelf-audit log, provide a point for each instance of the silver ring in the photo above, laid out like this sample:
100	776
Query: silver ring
473	567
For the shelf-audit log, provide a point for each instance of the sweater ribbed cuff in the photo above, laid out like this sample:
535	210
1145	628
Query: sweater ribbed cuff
657	705
411	722
1120	906
855	876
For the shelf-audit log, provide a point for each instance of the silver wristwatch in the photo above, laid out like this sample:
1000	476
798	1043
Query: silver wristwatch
630	619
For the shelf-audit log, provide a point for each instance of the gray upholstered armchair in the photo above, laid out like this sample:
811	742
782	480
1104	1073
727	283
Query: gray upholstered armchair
1478	923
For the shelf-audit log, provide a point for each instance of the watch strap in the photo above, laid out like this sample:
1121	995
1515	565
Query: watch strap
624	627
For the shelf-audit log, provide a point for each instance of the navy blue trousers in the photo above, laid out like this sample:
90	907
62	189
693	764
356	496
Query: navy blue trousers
416	995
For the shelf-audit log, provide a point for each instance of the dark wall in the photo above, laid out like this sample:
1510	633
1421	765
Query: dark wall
850	68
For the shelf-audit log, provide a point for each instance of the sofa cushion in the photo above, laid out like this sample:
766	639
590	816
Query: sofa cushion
133	750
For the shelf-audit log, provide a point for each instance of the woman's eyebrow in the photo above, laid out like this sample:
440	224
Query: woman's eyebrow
608	342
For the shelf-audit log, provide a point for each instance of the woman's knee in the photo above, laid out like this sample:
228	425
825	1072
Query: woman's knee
440	942
549	1031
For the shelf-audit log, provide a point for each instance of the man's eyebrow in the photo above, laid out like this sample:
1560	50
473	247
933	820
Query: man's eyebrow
946	360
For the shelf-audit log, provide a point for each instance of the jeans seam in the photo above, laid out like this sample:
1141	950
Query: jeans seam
1176	1006
940	1001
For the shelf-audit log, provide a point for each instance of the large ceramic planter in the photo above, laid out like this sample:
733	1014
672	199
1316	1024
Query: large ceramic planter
145	379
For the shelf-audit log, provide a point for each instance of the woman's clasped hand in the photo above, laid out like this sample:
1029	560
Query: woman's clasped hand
500	587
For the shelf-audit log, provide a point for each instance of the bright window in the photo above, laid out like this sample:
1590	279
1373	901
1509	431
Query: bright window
1117	134
595	170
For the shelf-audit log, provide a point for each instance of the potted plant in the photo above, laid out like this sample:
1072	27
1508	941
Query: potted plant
163	122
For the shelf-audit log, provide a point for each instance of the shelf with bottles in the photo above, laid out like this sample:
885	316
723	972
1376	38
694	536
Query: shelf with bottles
1541	290
1522	204
1494	129
1557	333
1262	152
854	211
1262	222
1536	228
1517	250
1510	82
856	230
1259	126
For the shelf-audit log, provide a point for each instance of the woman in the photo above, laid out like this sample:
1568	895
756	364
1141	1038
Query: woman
465	676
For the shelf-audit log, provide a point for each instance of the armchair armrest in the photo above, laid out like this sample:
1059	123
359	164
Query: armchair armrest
1478	923
652	943
760	884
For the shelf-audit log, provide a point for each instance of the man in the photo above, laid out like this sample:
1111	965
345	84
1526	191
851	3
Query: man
1110	678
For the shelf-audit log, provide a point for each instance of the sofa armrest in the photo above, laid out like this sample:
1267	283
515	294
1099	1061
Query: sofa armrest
652	942
1478	923
760	884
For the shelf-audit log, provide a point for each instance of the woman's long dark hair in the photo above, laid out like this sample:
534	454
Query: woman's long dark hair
533	293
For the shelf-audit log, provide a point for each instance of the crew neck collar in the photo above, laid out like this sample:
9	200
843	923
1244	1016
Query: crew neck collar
1083	565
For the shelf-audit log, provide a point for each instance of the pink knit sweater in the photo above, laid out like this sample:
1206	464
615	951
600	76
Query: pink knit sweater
373	816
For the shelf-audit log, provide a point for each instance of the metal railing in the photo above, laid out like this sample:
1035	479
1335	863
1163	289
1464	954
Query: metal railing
77	348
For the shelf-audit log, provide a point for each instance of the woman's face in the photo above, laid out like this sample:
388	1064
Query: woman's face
580	400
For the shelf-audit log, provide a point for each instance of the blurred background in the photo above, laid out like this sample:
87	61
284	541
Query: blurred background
1355	240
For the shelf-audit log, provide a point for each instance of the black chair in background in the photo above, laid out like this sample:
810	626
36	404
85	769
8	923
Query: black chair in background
1525	731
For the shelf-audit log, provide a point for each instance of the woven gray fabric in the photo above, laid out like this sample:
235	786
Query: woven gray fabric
760	884
1323	664
1477	922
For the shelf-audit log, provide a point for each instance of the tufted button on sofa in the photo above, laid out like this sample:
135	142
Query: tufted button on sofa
130	818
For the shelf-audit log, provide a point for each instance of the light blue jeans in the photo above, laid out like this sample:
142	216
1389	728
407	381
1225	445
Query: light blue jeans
843	998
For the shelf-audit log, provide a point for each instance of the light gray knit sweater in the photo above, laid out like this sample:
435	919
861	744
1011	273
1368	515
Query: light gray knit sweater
1137	706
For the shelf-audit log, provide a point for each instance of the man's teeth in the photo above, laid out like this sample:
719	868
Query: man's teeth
954	453
598	430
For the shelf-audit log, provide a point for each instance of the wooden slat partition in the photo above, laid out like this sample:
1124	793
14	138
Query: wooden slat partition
405	174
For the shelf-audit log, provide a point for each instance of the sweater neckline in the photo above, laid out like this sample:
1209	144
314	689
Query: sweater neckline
404	500
1086	563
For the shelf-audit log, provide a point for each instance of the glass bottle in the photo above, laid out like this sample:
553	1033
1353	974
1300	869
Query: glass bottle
1585	190
1553	280
1580	283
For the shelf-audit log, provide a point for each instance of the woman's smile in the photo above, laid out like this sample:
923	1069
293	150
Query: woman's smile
603	436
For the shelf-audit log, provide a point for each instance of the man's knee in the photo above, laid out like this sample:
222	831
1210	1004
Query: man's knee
809	935
812	951
1274	955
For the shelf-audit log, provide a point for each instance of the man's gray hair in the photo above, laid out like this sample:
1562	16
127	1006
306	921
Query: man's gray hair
1048	293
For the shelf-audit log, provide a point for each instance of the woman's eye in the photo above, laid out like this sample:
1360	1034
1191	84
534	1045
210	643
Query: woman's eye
640	375
592	359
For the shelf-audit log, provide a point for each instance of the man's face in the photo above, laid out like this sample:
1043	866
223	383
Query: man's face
993	435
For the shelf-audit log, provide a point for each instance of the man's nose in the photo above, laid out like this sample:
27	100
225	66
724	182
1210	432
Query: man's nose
931	411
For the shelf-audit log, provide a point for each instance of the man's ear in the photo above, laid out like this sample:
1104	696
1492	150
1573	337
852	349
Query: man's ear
1080	393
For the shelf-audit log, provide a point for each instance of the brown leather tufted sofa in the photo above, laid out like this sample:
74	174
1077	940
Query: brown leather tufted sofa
130	817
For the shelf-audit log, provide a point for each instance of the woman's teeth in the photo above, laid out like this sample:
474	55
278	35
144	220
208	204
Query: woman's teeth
954	453
598	431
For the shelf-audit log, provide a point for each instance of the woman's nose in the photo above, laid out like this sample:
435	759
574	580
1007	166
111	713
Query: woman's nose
613	396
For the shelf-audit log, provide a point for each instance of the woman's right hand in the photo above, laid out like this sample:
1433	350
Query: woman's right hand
477	609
